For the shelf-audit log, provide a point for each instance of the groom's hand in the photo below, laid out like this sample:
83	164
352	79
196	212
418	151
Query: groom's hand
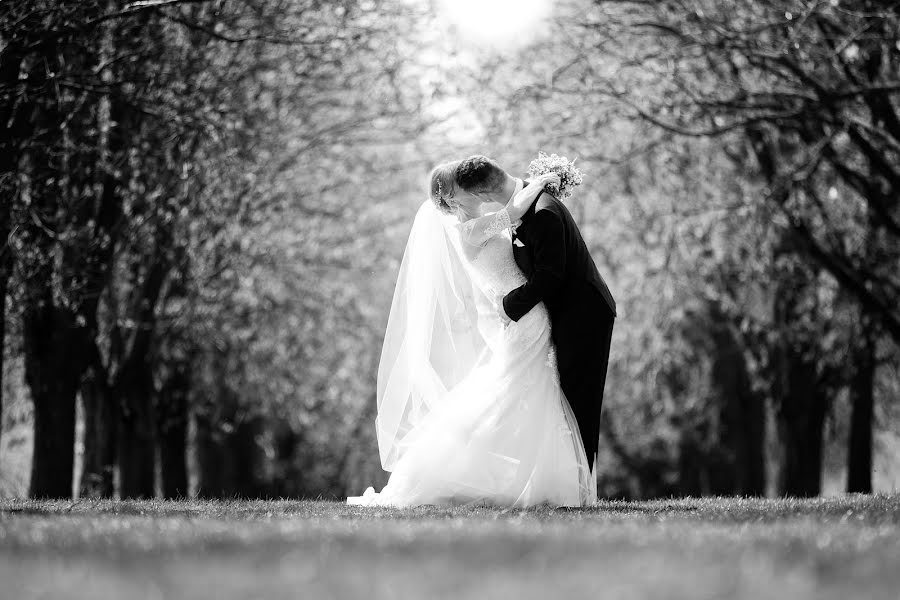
546	233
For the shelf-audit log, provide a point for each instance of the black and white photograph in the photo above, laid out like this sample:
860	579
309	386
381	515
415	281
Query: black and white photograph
451	299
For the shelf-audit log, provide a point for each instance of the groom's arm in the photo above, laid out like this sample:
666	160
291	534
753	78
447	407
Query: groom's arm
549	248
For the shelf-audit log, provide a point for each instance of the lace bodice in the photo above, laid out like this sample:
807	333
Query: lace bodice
488	247
494	266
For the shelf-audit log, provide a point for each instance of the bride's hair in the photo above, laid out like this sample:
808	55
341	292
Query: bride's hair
480	175
443	185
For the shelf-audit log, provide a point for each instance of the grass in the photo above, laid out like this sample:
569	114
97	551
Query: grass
847	547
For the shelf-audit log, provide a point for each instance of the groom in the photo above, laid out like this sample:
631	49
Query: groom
549	249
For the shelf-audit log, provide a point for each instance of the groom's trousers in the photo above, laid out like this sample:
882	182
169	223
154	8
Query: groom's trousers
582	334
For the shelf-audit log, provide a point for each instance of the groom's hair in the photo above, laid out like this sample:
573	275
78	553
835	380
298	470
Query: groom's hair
480	175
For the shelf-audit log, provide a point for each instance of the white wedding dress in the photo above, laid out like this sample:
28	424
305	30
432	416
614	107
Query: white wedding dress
493	428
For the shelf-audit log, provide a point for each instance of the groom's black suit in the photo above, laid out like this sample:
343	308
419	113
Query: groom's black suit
562	275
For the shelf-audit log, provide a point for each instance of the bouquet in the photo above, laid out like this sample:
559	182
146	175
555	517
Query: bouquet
569	175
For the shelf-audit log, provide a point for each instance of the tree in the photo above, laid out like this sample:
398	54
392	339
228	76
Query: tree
116	145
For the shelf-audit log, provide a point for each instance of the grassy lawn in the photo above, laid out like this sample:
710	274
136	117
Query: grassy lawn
845	547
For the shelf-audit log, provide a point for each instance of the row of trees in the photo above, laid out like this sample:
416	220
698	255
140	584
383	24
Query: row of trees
792	288
806	99
209	200
144	145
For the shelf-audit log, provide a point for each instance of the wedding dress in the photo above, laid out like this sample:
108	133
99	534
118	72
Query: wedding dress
471	411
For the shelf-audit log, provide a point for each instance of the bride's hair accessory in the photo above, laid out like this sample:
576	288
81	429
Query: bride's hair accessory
569	175
443	185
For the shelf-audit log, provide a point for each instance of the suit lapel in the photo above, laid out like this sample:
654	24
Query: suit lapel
522	254
523	226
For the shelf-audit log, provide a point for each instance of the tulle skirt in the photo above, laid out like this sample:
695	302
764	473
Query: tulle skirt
504	436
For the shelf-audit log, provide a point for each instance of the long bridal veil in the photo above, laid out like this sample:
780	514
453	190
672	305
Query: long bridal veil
438	331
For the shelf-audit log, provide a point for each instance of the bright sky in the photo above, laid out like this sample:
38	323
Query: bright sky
475	26
497	22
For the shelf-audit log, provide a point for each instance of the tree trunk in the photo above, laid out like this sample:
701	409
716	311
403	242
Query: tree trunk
862	396
286	479
752	458
802	400
97	478
801	420
800	392
53	372
692	475
247	458
211	457
138	424
173	460
137	440
742	416
102	411
229	457
173	411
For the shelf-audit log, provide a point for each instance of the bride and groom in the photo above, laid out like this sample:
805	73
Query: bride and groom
495	355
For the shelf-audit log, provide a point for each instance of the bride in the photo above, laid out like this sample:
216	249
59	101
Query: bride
470	410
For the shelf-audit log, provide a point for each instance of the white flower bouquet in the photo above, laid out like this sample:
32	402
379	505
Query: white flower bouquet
569	175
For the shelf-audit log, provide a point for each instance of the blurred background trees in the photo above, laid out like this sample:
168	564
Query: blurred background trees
205	202
803	98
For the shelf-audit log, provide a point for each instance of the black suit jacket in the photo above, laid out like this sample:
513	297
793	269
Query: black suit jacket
553	255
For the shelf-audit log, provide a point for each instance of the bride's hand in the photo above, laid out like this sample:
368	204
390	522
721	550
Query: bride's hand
521	202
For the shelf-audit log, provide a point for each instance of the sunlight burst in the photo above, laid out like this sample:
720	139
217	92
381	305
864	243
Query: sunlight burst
496	21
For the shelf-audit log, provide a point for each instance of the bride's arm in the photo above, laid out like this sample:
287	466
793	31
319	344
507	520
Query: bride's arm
519	204
476	232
